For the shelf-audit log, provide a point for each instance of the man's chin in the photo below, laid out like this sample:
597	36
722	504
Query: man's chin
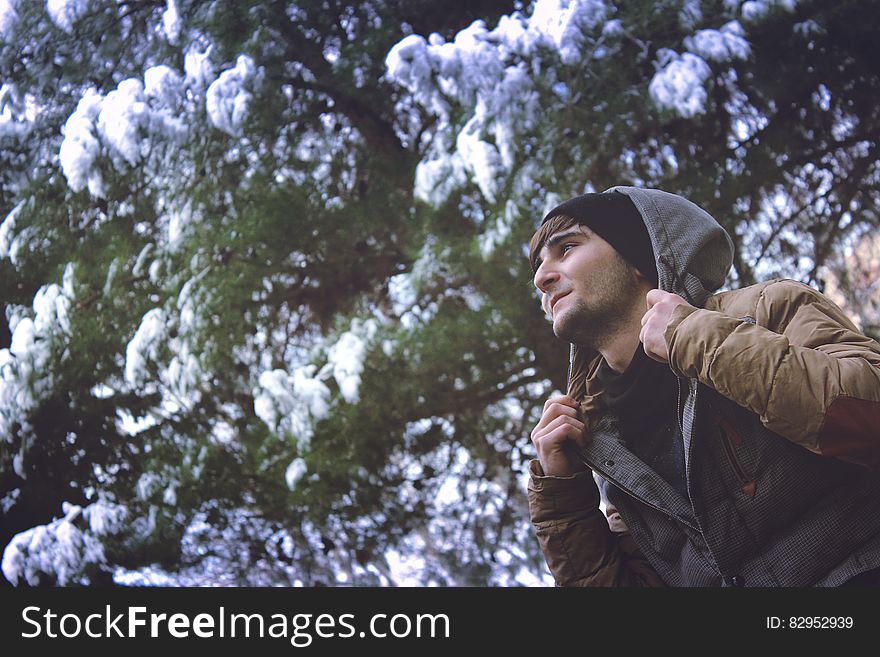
562	329
570	326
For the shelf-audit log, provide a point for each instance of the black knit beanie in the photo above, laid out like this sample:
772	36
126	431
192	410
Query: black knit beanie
613	217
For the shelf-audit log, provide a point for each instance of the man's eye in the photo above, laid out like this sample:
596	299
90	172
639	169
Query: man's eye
565	248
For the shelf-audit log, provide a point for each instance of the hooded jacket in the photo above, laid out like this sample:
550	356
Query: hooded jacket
779	405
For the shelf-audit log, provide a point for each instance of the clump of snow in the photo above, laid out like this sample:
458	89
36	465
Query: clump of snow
691	13
80	148
122	115
409	63
346	358
163	83
679	85
198	68
8	17
171	23
481	159
228	98
105	518
147	485
7	233
402	293
292	402
161	355
64	13
498	231
183	376
149	338
294	472
439	176
120	126
137	269
755	10
39	335
722	45
492	71
566	23
65	548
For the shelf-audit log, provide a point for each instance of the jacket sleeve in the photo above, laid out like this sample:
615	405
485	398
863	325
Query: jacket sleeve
802	366
579	545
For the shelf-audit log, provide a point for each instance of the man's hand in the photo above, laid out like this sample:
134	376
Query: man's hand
654	323
553	436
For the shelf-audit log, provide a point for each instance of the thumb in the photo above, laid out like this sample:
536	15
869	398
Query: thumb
654	297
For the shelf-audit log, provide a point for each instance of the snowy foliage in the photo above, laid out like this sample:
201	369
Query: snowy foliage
39	334
171	22
8	244
755	10
8	17
490	72
346	357
62	551
294	472
198	67
65	13
144	346
279	367
722	45
228	99
679	85
493	75
120	127
292	402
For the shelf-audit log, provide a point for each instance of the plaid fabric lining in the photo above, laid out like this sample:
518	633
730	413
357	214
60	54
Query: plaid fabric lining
810	520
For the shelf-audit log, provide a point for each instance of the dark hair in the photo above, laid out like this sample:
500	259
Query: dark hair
548	228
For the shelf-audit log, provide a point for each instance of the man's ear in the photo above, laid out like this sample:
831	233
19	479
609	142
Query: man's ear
638	277
640	281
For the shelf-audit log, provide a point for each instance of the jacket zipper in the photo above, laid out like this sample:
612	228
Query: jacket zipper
678	408
611	479
570	367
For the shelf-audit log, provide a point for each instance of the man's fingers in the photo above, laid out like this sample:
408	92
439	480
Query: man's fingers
554	410
561	399
557	433
559	430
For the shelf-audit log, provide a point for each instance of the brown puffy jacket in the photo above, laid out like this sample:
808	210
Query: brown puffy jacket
780	349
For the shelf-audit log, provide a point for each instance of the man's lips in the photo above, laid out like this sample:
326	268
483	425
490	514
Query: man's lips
557	297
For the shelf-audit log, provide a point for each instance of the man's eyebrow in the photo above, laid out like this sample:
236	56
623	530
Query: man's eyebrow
555	239
559	237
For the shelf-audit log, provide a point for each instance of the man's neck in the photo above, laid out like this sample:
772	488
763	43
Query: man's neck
619	352
620	347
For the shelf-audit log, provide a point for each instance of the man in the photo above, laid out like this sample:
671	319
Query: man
734	435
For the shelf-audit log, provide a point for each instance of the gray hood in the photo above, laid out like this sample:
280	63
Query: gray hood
693	252
693	255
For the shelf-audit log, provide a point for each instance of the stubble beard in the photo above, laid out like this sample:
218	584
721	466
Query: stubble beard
593	321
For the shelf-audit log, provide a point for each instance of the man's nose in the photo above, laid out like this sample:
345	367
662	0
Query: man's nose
544	277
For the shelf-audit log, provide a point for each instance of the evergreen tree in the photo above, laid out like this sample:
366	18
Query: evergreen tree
268	315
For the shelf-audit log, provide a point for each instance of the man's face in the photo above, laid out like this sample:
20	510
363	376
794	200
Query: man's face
587	287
